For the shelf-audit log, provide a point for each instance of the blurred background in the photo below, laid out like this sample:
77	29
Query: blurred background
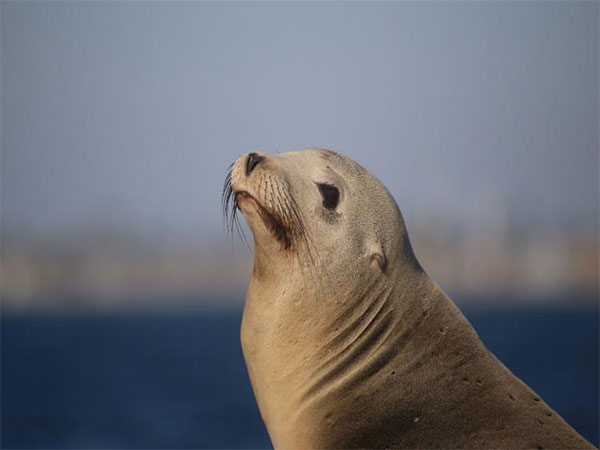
121	290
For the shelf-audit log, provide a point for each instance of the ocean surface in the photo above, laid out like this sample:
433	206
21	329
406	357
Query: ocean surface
179	381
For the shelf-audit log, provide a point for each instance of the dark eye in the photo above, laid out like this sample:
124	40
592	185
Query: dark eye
330	194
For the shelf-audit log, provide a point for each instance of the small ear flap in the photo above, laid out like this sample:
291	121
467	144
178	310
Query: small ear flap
377	257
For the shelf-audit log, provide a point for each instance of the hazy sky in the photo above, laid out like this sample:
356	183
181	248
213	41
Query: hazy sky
130	112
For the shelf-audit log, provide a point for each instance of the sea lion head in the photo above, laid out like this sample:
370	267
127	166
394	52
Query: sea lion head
317	210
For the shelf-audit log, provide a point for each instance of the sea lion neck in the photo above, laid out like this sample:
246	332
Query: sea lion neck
382	338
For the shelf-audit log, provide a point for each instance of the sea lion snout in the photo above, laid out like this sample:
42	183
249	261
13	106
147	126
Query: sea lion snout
263	196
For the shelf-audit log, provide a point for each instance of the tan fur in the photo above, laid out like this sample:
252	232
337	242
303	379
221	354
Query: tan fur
348	342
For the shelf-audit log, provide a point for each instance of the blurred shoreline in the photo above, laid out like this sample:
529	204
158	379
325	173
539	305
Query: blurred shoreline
197	305
105	272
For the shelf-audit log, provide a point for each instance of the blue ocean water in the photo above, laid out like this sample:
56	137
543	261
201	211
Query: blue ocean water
179	381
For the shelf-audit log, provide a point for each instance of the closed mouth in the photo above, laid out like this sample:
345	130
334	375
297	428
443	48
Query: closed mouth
271	220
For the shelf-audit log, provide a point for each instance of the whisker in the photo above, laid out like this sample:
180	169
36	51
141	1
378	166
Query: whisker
241	233
227	195
230	208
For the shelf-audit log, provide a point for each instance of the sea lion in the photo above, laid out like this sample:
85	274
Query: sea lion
347	341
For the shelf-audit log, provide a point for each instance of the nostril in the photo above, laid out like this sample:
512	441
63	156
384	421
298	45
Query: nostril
253	160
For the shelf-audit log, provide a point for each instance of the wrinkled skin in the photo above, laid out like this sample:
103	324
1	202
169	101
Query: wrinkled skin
347	341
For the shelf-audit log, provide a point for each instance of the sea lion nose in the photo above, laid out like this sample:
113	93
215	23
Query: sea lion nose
252	162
